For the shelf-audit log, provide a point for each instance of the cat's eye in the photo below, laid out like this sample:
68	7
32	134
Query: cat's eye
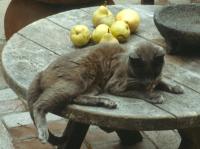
137	62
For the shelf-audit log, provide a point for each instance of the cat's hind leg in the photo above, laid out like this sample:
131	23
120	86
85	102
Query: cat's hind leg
59	94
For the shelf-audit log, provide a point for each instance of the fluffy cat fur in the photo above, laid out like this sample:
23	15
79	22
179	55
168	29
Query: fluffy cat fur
78	77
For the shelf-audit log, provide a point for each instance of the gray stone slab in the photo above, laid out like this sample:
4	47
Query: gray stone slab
23	118
5	138
11	106
7	94
164	139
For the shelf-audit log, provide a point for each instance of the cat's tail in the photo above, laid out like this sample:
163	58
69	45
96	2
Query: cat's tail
33	94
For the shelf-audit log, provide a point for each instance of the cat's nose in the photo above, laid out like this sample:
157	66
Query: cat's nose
147	81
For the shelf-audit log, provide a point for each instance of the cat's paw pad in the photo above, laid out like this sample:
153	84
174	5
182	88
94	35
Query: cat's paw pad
43	135
177	89
110	104
157	99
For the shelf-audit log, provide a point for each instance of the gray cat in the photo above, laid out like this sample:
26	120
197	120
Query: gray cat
78	77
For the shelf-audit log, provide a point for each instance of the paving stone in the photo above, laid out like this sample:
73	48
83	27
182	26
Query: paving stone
24	137
97	136
7	94
5	139
32	144
98	139
26	132
19	119
164	139
11	106
35	144
145	144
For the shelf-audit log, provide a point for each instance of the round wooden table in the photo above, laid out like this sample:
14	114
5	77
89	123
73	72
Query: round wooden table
31	50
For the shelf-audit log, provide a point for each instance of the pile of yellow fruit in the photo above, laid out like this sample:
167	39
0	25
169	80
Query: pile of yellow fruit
107	27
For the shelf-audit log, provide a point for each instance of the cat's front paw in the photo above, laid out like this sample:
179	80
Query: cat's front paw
109	104
156	99
177	89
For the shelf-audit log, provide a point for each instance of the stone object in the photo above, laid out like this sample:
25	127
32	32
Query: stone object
180	26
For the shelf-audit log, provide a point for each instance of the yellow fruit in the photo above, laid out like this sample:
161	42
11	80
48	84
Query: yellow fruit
108	20
131	17
80	35
108	37
120	30
99	31
100	13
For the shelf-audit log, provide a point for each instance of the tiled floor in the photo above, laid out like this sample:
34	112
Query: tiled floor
24	137
18	133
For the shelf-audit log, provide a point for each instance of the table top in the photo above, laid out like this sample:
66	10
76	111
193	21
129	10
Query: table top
31	50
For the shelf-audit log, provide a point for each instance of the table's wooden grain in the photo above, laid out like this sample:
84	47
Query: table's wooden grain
35	46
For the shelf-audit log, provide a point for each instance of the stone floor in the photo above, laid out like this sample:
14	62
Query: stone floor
17	131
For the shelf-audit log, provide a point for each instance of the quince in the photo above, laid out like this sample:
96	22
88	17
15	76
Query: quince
80	35
131	17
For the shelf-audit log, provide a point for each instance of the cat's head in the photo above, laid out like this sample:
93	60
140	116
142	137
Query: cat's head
146	62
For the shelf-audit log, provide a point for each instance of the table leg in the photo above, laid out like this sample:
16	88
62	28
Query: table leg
128	137
75	133
190	138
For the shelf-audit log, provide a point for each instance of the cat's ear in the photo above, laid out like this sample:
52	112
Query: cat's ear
160	52
133	55
159	57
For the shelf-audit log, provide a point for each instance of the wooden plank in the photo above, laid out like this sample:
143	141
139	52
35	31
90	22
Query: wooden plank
134	39
52	38
131	113
28	58
189	60
48	35
184	107
183	76
70	18
22	60
147	28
